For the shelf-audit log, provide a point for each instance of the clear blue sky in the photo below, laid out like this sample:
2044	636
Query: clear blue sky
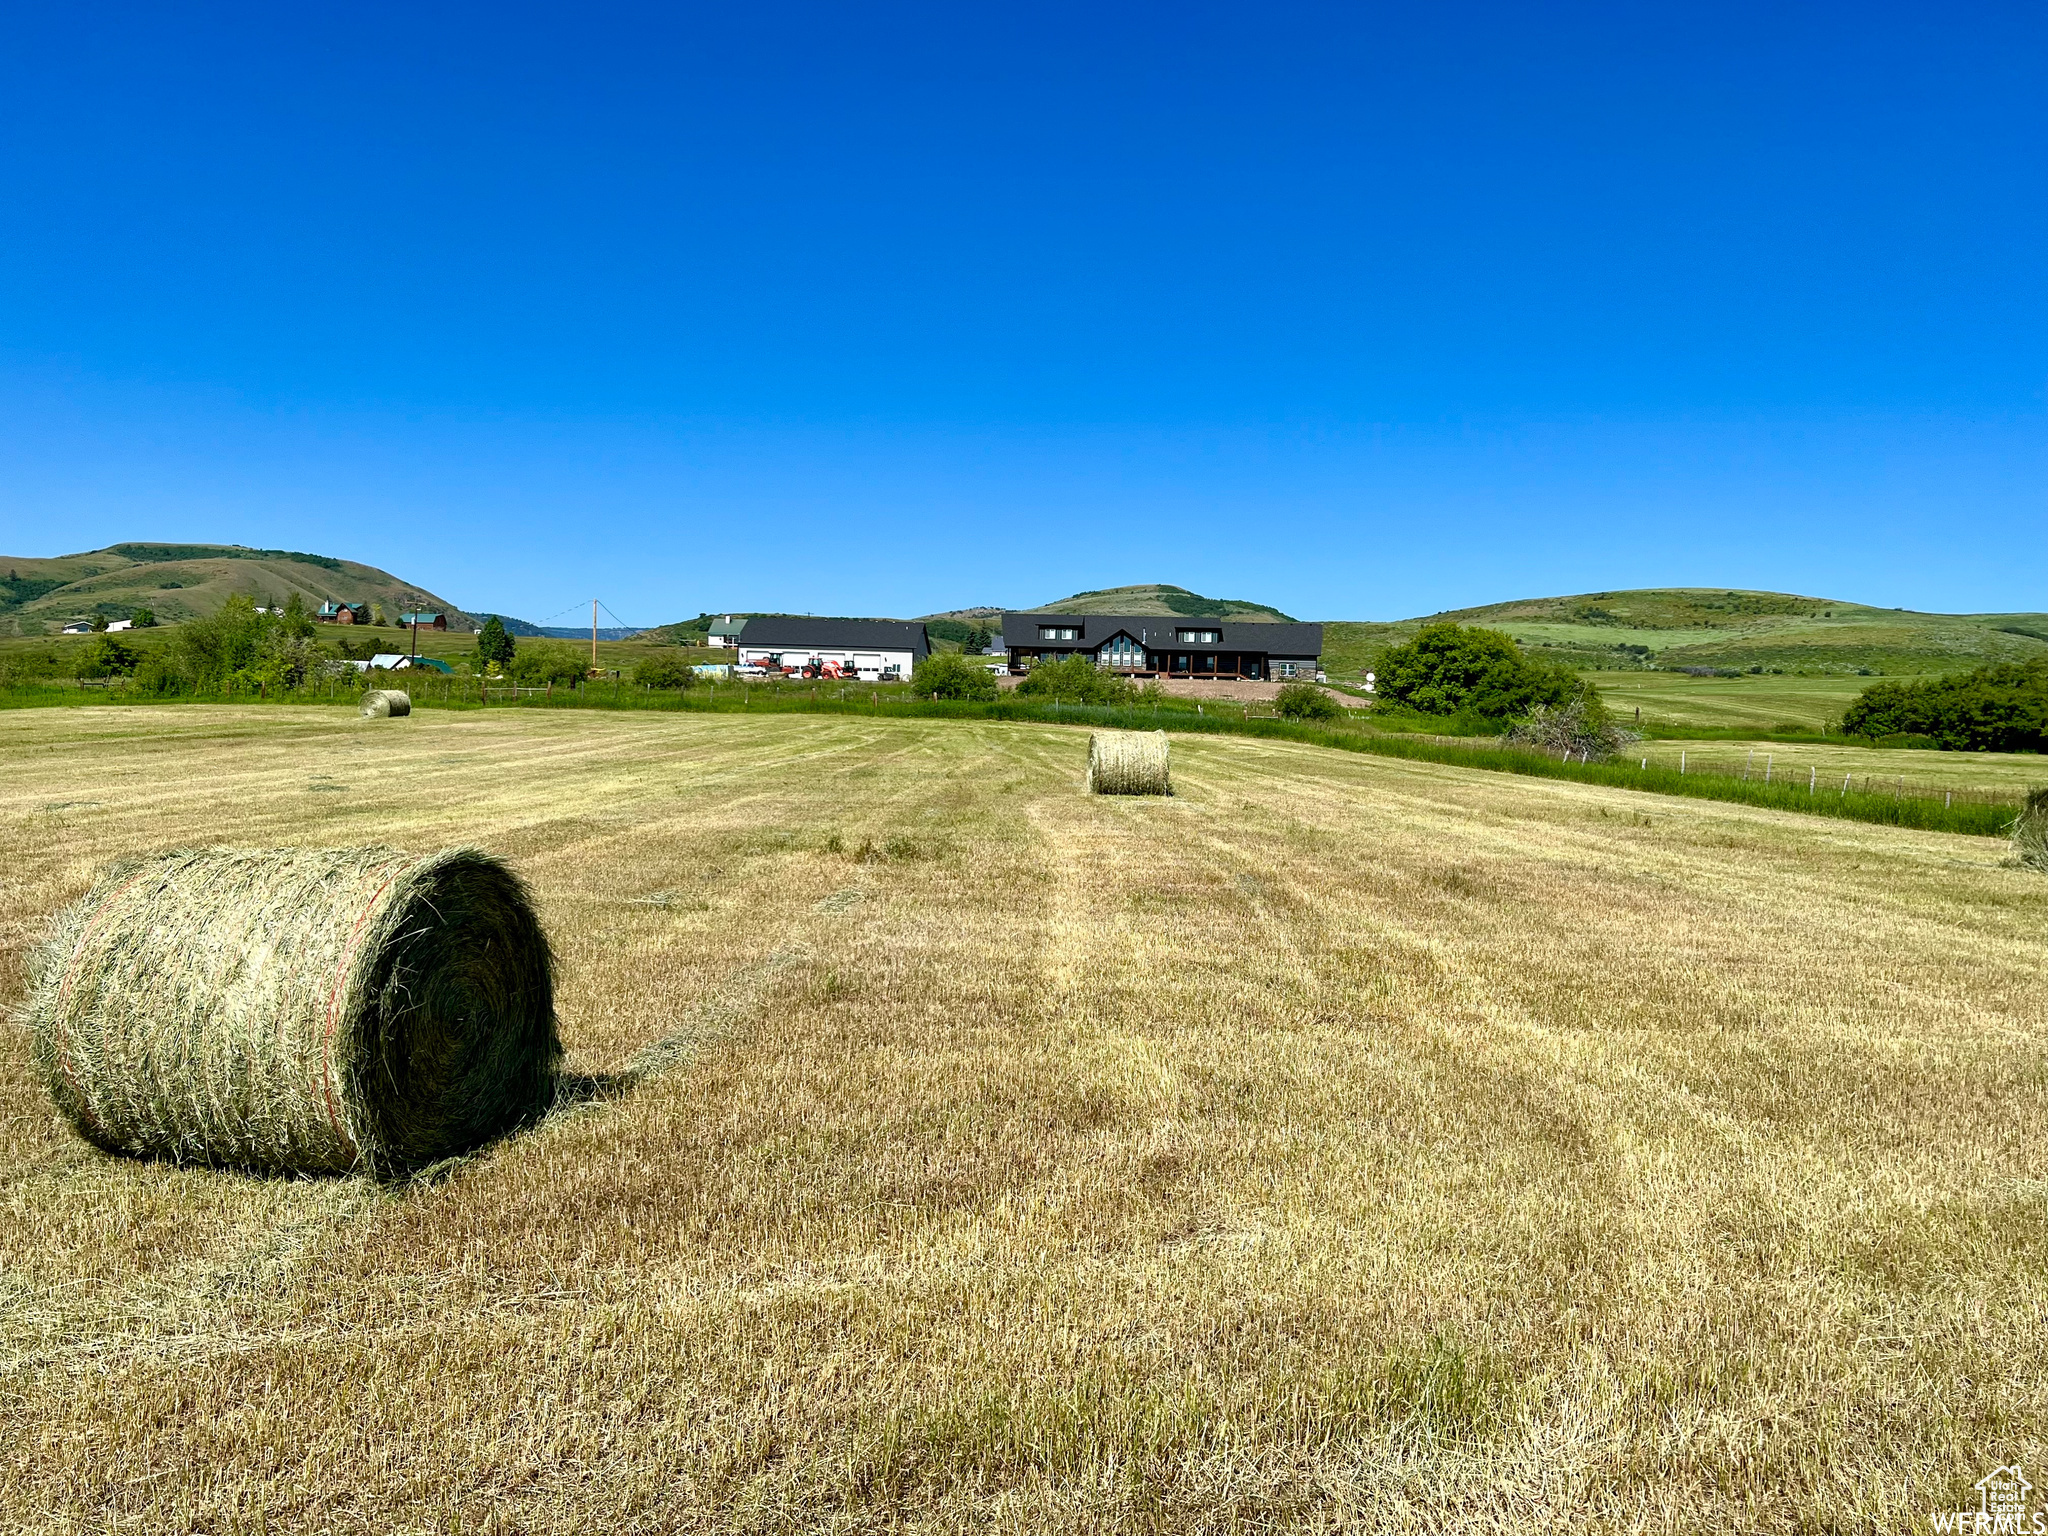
1360	310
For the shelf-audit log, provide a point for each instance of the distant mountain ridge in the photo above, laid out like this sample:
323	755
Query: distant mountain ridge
188	581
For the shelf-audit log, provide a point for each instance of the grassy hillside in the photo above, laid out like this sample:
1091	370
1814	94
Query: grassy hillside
184	581
1681	627
1164	600
1341	1144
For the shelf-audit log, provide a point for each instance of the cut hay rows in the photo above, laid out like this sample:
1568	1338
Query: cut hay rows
298	1010
384	703
2030	831
1128	763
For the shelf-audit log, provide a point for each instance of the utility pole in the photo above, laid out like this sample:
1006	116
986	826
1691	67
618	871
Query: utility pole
593	634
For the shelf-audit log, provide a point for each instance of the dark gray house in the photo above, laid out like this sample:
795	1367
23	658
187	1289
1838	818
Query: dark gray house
1151	646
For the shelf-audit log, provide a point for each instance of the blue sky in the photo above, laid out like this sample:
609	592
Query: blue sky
1362	311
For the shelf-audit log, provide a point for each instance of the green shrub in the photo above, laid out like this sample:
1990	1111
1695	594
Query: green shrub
950	675
1993	709
1305	701
549	661
1450	668
223	643
108	657
1077	679
665	669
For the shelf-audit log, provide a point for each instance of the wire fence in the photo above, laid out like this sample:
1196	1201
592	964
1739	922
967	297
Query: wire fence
1830	778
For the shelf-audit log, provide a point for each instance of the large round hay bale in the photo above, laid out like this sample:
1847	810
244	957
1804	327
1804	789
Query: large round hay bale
383	703
300	1010
1128	763
2030	830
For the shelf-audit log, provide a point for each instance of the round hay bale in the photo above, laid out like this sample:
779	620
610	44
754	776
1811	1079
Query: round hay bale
299	1010
1128	763
2030	830
383	703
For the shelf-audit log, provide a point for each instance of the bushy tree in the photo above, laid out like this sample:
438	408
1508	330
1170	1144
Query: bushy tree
950	675
977	642
665	669
1449	668
223	643
108	657
2000	708
1305	701
295	621
1078	680
284	659
549	661
142	618
495	646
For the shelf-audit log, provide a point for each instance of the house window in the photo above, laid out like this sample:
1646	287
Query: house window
1058	632
1199	636
1287	669
1123	651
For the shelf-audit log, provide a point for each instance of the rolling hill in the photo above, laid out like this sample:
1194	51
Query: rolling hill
1164	600
1711	627
186	581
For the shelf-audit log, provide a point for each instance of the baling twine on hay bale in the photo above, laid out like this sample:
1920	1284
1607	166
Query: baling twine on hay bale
1128	763
2030	830
383	703
299	1010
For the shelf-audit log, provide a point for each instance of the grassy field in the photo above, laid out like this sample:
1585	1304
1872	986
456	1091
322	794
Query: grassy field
1343	1142
1672	701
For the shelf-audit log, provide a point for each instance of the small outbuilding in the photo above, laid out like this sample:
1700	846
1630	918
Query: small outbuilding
725	633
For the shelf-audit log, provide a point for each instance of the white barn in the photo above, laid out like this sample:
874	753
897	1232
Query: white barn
875	649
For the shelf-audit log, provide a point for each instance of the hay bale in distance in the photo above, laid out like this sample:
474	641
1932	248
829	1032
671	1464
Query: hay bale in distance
2030	831
1128	763
383	703
299	1010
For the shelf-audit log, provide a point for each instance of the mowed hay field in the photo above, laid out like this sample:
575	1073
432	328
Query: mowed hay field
1343	1142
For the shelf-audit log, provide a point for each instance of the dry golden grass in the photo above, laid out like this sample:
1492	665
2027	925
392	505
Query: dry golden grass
1343	1142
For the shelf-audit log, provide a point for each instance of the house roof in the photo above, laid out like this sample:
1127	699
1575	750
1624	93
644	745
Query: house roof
727	627
778	632
419	618
1162	632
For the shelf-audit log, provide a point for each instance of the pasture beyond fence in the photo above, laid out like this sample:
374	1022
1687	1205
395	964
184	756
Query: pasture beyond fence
1881	798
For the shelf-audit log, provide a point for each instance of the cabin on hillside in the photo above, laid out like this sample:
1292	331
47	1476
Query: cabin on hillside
874	649
1167	647
343	613
423	620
